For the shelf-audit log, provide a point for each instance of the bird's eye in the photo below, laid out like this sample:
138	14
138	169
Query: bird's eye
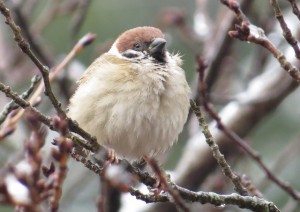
137	47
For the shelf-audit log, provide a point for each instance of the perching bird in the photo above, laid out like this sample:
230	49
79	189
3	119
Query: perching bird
135	97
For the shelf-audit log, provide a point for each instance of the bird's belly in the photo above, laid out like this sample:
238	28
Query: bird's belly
142	129
135	119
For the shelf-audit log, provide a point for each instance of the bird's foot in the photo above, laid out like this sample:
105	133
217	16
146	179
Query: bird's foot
157	188
111	156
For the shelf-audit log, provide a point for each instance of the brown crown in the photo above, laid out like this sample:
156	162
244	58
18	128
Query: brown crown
139	34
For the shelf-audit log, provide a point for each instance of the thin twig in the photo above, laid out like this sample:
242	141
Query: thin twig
287	34
238	186
61	155
79	17
215	49
12	105
32	38
209	138
252	203
295	8
166	185
250	187
235	6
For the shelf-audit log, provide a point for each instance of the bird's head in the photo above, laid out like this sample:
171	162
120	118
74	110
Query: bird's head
141	42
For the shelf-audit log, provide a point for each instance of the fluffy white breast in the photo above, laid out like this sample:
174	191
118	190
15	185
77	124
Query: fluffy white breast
135	108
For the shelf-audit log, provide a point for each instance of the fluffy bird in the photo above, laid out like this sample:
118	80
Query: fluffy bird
135	97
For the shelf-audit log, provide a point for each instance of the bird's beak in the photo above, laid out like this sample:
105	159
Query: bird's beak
157	49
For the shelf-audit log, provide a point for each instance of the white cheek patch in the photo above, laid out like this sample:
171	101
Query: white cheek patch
129	54
132	54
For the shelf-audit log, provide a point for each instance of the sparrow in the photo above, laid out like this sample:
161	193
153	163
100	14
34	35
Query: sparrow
135	98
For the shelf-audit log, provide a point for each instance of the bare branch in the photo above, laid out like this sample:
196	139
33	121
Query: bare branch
23	44
44	119
285	29
238	186
295	8
61	155
243	144
31	37
12	105
249	32
80	16
252	203
167	186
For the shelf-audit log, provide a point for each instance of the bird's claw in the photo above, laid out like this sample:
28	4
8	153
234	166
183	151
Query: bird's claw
112	156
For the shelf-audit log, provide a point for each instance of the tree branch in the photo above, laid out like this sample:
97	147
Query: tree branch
12	105
240	142
252	203
295	8
287	34
251	33
25	47
238	186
